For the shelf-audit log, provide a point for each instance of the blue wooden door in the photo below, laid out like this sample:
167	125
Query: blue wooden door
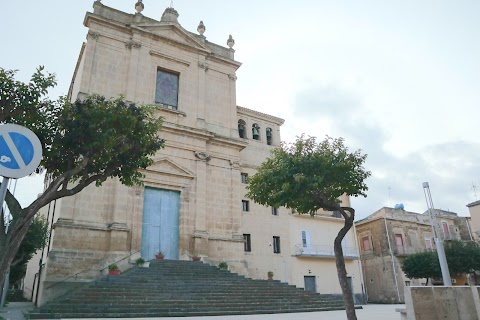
160	223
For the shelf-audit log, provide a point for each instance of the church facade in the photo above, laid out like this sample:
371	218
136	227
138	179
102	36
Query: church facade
193	200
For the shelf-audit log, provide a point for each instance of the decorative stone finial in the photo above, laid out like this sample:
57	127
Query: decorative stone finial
169	15
201	28
230	42
139	6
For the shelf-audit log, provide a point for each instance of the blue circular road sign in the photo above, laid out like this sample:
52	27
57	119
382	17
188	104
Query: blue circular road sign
20	151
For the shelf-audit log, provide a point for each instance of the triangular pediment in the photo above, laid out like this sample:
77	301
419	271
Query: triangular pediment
174	33
168	167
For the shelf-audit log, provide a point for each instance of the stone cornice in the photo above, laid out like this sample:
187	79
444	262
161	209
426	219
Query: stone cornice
80	56
175	128
217	58
258	114
171	58
225	141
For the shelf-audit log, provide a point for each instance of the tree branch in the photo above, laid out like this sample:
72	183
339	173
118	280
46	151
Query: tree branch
17	261
12	203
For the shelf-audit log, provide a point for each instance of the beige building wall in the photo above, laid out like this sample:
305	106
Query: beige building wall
474	209
203	159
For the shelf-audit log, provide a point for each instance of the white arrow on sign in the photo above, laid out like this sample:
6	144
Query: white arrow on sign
20	151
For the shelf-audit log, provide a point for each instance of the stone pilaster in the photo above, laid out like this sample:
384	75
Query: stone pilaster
134	48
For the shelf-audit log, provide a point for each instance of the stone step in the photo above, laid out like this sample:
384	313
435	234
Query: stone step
176	313
98	307
182	288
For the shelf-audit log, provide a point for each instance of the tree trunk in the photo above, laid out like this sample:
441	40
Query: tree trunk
340	263
9	247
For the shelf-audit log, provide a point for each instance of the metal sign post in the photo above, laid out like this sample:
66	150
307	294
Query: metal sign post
20	155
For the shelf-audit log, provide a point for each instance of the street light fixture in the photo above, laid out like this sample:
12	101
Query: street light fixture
447	282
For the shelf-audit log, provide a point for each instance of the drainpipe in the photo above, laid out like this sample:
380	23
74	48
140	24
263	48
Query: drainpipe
391	256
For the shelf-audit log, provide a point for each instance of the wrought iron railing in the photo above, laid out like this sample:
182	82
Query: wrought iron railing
323	251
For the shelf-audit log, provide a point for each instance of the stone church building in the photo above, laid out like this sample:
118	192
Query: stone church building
193	199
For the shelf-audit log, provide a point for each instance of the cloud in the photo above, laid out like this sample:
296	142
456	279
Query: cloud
449	167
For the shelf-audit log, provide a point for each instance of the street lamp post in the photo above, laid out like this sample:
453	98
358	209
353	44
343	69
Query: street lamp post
438	239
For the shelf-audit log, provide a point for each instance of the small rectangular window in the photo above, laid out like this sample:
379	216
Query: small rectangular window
274	211
407	283
276	244
366	244
244	177
446	231
428	244
245	206
166	91
247	245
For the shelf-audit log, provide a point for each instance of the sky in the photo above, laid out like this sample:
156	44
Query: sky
398	80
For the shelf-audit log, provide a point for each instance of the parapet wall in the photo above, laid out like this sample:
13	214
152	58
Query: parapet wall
453	303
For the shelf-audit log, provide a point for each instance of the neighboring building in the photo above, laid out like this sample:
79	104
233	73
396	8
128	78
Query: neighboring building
192	202
388	235
474	209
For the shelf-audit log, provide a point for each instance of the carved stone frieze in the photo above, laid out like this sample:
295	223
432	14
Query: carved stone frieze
235	164
132	44
202	155
203	66
93	34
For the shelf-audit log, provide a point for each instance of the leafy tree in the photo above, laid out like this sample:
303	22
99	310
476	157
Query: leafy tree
308	176
35	239
462	257
422	265
83	142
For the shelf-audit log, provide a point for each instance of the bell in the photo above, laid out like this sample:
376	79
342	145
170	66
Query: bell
255	133
269	133
241	130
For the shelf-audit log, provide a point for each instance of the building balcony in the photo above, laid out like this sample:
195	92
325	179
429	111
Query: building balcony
317	251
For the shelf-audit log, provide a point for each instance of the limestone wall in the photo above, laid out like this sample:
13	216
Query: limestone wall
453	303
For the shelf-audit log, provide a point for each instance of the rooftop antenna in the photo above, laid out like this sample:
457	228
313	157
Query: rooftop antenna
171	4
389	199
474	188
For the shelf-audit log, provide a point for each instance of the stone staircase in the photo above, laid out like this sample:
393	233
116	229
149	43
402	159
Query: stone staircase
172	288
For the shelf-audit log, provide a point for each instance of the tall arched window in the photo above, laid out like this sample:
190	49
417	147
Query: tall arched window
269	134
256	131
242	126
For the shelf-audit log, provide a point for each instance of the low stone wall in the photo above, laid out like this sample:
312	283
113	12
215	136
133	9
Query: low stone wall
453	303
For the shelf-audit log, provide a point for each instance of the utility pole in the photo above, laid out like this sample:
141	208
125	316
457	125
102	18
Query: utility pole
447	282
3	192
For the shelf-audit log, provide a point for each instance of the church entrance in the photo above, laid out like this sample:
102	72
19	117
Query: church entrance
160	223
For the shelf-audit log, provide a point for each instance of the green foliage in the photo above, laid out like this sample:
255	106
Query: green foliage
422	265
112	266
308	176
26	103
139	261
270	273
160	253
462	257
35	239
223	265
83	142
95	137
